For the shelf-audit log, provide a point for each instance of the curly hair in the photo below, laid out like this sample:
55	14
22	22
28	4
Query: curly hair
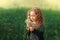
38	13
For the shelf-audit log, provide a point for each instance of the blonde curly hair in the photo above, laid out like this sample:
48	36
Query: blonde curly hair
39	15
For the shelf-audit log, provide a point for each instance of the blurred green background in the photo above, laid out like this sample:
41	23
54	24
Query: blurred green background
12	24
13	15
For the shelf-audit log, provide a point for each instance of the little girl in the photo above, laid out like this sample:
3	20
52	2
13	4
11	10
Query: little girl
35	24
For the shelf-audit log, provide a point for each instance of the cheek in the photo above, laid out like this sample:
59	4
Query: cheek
34	17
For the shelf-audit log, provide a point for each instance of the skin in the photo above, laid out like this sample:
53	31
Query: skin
33	17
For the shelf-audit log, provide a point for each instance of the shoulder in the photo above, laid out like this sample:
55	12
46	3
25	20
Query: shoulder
42	27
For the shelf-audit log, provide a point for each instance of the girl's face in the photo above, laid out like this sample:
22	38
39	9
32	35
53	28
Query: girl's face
33	16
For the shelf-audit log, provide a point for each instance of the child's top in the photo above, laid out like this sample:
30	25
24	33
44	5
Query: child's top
37	34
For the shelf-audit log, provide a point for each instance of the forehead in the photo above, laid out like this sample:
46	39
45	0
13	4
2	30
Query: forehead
32	13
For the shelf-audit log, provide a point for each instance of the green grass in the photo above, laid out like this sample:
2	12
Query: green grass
52	24
12	24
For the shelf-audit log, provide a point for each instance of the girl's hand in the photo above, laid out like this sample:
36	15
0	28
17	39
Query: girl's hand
30	29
